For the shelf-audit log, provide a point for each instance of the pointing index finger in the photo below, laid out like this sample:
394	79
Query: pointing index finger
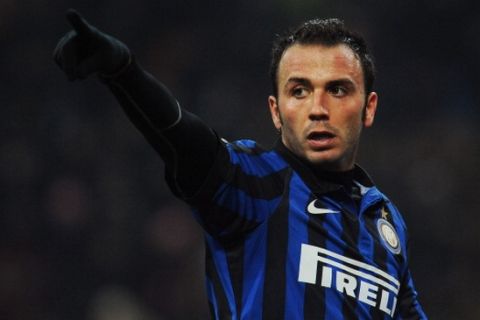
79	24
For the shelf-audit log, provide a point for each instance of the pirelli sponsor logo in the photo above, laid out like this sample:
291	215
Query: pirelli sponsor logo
351	277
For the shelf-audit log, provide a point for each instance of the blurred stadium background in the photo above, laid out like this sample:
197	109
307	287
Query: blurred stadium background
88	229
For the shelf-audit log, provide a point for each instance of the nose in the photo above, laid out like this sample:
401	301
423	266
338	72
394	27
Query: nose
319	110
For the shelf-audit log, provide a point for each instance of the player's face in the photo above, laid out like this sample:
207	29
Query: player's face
321	105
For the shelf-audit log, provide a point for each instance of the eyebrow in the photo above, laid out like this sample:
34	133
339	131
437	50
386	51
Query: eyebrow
298	80
343	81
303	81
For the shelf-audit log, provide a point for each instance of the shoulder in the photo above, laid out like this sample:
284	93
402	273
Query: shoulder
253	158
244	146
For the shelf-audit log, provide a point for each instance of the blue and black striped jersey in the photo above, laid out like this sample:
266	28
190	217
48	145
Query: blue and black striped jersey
283	244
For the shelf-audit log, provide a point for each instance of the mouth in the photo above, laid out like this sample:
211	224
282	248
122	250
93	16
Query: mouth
320	135
320	140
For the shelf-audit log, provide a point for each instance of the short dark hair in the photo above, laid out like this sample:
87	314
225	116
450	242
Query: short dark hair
327	32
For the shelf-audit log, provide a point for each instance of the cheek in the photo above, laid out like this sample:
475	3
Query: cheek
347	122
295	111
287	116
291	126
353	128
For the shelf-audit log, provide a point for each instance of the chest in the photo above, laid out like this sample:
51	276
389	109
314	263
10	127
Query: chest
356	248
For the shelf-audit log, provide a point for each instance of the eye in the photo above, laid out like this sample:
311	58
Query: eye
299	92
338	90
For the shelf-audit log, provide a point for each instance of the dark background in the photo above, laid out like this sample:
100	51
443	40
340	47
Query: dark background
88	228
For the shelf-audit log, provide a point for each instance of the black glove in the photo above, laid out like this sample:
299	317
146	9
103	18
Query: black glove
86	50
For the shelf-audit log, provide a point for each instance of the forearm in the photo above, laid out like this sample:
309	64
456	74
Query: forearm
184	142
139	92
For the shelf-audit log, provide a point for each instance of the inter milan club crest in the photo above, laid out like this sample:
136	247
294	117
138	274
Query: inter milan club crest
389	236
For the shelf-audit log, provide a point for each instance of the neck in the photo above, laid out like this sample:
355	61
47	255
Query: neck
340	177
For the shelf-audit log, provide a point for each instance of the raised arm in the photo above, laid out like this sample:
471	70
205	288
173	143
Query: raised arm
185	143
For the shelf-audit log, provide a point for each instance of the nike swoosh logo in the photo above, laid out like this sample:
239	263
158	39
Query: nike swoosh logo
315	210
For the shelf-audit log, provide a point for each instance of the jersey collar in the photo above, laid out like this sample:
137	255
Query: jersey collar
313	180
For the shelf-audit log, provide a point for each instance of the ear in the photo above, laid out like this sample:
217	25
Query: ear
275	112
370	109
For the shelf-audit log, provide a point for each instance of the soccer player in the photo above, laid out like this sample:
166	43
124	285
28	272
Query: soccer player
298	231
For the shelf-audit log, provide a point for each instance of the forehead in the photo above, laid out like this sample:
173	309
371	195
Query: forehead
319	62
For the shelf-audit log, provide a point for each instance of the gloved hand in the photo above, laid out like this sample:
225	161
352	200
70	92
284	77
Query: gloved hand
86	50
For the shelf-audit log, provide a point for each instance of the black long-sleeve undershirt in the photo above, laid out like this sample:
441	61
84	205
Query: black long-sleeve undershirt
184	142
187	146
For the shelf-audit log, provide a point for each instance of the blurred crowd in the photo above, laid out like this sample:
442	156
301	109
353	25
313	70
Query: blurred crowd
88	227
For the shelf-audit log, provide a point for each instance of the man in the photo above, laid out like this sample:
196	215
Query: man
295	232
